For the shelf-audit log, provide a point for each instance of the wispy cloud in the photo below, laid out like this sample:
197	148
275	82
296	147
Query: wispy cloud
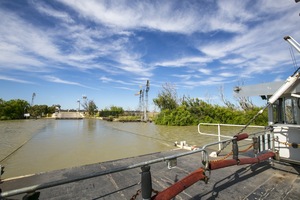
58	80
47	10
208	82
205	71
227	74
126	88
7	78
61	81
158	15
184	62
110	80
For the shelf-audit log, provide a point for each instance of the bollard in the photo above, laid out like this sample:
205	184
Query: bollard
146	182
235	150
255	145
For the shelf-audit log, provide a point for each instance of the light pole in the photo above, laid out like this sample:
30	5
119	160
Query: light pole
78	105
85	102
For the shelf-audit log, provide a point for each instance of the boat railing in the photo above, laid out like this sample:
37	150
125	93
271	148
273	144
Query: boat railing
167	159
219	132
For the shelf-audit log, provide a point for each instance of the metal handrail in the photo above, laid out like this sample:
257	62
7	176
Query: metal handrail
219	135
34	188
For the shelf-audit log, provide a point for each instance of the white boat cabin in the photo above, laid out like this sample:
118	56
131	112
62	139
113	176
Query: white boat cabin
283	115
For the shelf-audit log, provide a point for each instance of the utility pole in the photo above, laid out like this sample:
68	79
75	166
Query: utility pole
78	101
146	100
143	101
32	99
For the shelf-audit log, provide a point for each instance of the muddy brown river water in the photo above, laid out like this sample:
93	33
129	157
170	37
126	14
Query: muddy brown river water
32	146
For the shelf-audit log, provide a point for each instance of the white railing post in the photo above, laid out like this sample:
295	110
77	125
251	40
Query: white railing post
219	136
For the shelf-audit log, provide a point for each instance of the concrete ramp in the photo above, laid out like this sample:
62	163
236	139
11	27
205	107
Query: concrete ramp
69	115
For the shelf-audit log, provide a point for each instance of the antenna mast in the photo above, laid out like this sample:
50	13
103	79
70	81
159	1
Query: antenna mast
143	101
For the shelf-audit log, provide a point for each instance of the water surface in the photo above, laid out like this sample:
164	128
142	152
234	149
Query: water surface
32	146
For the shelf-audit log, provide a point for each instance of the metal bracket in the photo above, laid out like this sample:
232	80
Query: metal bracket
172	163
32	196
1	171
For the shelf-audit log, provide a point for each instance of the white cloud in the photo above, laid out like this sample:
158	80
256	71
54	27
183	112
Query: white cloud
25	40
192	16
258	50
125	88
205	71
187	61
227	74
7	78
233	61
45	9
105	79
71	45
158	15
206	82
58	80
244	38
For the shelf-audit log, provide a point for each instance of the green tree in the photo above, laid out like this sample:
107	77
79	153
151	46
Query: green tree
112	111
167	98
92	108
192	111
39	110
13	109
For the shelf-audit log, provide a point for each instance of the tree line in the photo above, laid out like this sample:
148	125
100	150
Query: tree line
192	111
113	111
17	108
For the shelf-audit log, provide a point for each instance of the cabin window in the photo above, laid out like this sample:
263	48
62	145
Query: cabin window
286	111
276	108
291	110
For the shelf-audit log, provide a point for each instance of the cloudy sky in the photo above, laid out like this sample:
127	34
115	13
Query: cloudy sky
107	50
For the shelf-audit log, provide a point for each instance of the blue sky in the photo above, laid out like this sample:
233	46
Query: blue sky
106	50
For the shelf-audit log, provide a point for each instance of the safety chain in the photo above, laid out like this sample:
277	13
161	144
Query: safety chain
224	145
230	153
206	175
252	119
136	194
139	191
293	144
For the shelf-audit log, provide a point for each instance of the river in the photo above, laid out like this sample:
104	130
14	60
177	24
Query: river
33	146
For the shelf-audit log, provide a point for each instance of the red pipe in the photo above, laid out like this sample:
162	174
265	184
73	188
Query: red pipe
241	136
244	161
222	163
266	156
258	159
181	185
198	174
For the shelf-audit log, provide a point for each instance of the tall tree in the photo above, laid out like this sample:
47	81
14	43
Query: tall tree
90	107
13	109
167	98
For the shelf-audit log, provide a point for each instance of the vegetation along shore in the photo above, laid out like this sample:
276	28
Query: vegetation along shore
174	111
